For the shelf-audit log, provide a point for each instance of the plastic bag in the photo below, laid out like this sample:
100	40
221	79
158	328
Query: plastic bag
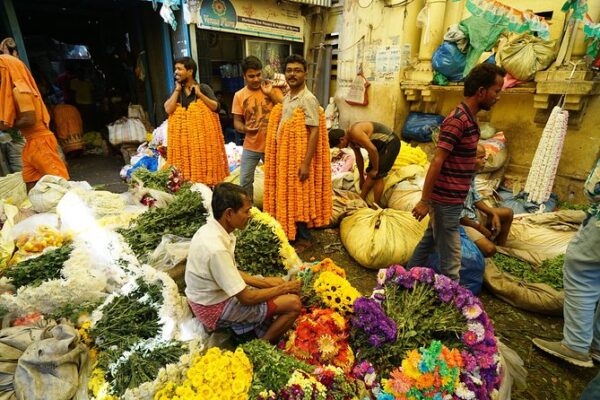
513	371
30	225
418	126
449	61
525	55
171	251
482	35
487	130
7	244
495	151
455	35
47	192
13	189
519	204
472	264
380	238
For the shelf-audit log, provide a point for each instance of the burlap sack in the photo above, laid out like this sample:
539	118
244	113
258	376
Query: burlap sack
536	297
344	203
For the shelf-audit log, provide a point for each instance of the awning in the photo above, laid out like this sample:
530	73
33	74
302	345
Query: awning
322	3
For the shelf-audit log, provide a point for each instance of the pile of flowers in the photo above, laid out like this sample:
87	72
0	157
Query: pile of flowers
217	374
32	244
320	338
336	292
371	325
425	373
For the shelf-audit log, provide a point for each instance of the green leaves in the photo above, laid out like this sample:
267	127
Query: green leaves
257	250
182	218
550	272
35	271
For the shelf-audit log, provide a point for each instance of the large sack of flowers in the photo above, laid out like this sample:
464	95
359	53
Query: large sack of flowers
538	237
344	203
530	296
379	238
495	151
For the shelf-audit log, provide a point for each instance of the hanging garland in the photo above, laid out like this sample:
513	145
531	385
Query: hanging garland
516	20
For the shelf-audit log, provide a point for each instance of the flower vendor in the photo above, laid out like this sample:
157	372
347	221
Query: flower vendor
195	144
581	276
220	295
383	146
297	160
22	107
496	220
251	108
452	168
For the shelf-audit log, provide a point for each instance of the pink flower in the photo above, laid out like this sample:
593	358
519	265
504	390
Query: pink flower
470	338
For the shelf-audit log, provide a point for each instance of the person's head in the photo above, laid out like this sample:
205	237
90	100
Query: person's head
8	46
185	69
294	68
484	84
219	95
338	138
231	206
252	70
481	157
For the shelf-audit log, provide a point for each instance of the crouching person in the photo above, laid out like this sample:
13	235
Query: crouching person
220	295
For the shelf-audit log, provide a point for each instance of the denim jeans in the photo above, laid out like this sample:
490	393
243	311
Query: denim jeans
250	160
592	390
442	235
581	278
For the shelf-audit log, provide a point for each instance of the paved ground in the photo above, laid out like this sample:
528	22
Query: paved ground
548	379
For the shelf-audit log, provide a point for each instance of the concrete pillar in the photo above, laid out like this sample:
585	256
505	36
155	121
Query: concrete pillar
454	13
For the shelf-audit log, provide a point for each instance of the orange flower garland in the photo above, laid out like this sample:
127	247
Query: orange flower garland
195	144
285	197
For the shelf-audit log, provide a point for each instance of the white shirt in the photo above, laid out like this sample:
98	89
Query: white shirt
211	274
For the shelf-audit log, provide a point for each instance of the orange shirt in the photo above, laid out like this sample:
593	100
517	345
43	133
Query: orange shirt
28	102
254	107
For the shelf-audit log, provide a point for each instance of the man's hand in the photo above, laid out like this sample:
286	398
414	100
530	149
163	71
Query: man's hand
291	287
273	281
496	224
484	231
303	172
250	130
421	210
266	87
178	86
372	173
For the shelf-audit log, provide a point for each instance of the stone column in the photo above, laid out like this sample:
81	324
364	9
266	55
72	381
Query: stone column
431	37
454	13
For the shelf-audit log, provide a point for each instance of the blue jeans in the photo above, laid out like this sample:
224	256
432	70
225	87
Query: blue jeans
250	160
442	235
592	390
581	278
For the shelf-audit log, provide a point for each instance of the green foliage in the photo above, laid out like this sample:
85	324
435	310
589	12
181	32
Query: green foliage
72	312
550	272
272	367
152	180
183	217
35	271
257	250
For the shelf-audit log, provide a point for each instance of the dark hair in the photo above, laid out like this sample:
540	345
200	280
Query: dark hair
227	195
295	58
251	62
483	75
188	63
335	135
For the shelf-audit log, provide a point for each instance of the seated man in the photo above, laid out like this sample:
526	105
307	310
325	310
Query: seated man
219	294
497	221
383	146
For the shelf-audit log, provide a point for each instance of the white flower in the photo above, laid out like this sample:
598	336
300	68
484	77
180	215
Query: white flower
381	276
463	392
471	312
478	329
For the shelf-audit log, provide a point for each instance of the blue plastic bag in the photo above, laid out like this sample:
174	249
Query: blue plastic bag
520	205
472	264
418	126
449	61
148	162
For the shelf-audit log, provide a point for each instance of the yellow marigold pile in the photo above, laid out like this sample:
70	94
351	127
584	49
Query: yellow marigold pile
195	144
285	197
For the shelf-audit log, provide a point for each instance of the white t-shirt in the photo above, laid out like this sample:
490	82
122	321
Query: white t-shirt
211	274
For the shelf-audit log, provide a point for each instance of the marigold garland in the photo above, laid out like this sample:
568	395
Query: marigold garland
286	198
195	144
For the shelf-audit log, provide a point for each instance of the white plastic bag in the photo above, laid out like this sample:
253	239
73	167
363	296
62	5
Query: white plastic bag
126	130
171	251
47	192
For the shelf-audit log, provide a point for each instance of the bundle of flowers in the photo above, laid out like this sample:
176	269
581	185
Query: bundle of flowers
272	368
371	325
309	274
217	374
428	307
262	247
117	372
167	180
425	373
31	245
364	372
35	271
335	292
320	338
183	217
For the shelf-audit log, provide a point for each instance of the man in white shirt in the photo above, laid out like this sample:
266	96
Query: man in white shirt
219	294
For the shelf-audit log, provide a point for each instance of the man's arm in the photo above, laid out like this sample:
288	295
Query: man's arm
495	218
240	126
249	296
25	109
171	103
422	207
275	94
260	283
360	136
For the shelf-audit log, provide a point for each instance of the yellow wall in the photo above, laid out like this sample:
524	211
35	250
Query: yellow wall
364	30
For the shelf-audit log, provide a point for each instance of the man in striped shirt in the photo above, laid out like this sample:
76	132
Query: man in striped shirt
452	168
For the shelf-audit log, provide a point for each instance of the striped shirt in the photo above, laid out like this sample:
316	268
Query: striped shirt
459	134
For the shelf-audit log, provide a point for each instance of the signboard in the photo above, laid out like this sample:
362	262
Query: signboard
248	17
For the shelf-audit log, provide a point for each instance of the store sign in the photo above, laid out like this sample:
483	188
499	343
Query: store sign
248	17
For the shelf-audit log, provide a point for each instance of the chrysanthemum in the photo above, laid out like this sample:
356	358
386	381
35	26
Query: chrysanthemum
327	347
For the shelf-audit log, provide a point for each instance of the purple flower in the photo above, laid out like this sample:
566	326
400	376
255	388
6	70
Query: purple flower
370	319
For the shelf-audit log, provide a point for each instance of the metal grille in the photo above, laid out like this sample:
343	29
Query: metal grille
322	3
